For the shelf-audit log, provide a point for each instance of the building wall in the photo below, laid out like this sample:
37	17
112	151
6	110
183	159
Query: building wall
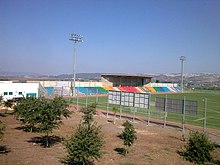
68	83
17	90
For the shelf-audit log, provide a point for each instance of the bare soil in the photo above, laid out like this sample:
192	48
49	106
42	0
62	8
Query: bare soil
154	146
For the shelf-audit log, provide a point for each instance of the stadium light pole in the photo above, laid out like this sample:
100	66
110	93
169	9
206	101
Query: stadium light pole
182	59
75	38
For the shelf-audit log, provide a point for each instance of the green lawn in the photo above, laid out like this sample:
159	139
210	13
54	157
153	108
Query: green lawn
213	108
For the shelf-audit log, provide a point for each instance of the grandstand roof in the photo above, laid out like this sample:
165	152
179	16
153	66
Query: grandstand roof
128	75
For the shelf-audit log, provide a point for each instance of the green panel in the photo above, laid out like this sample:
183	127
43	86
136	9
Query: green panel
31	94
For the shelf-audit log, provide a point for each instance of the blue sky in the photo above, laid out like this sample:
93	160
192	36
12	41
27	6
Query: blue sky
120	36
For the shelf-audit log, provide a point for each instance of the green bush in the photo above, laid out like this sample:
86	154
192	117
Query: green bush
198	148
84	145
128	135
2	129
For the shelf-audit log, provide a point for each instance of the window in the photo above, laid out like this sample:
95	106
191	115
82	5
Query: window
10	93
20	93
5	93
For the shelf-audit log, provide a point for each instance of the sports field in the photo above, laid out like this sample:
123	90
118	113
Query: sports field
212	108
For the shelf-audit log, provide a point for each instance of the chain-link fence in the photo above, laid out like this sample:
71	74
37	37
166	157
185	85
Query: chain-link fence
207	113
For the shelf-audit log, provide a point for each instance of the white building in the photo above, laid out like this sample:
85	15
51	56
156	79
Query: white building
11	90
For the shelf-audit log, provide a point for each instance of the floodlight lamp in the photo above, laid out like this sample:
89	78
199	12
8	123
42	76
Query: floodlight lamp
183	58
76	38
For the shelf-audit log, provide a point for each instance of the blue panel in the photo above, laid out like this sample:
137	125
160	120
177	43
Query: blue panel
178	89
49	90
166	89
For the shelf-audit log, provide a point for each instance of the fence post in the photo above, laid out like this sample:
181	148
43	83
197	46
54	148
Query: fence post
96	96
77	102
183	119
165	112
148	111
107	110
205	109
133	119
62	91
87	97
120	111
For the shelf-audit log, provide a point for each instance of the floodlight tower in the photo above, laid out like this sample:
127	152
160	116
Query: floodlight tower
75	38
182	59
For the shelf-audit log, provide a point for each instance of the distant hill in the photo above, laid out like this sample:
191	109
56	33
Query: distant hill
206	79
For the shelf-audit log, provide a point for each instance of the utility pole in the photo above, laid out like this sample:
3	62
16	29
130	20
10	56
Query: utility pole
75	38
182	59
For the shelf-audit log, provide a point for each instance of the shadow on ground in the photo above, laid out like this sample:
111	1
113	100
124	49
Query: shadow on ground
28	129
42	140
120	151
4	149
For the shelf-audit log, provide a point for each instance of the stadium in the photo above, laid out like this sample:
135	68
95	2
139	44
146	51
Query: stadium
130	84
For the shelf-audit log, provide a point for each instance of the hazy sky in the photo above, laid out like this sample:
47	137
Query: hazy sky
120	36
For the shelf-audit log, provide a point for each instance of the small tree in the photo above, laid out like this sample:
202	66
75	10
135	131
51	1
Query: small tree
88	113
28	109
50	112
42	113
128	135
7	104
198	148
84	146
1	99
115	110
2	129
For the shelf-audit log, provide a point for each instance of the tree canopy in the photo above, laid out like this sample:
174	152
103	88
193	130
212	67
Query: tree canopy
41	113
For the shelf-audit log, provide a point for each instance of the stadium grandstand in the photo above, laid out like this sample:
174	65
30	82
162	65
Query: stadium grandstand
116	82
109	82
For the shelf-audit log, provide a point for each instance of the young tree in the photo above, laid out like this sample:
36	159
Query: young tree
1	99
198	148
2	129
7	104
115	110
50	113
28	109
128	135
88	113
42	113
85	144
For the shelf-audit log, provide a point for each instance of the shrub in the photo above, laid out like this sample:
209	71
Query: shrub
198	148
88	113
85	144
128	135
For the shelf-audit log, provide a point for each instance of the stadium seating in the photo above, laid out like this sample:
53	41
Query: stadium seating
151	89
129	89
142	89
104	90
49	91
91	90
166	89
108	88
178	89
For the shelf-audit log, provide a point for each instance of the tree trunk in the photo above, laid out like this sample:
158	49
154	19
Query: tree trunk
47	140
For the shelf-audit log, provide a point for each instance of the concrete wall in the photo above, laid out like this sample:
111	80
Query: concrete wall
162	84
68	83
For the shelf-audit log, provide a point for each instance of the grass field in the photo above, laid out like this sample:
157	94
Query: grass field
212	108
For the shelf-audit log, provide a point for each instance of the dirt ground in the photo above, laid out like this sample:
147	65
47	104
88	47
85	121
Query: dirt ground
154	146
